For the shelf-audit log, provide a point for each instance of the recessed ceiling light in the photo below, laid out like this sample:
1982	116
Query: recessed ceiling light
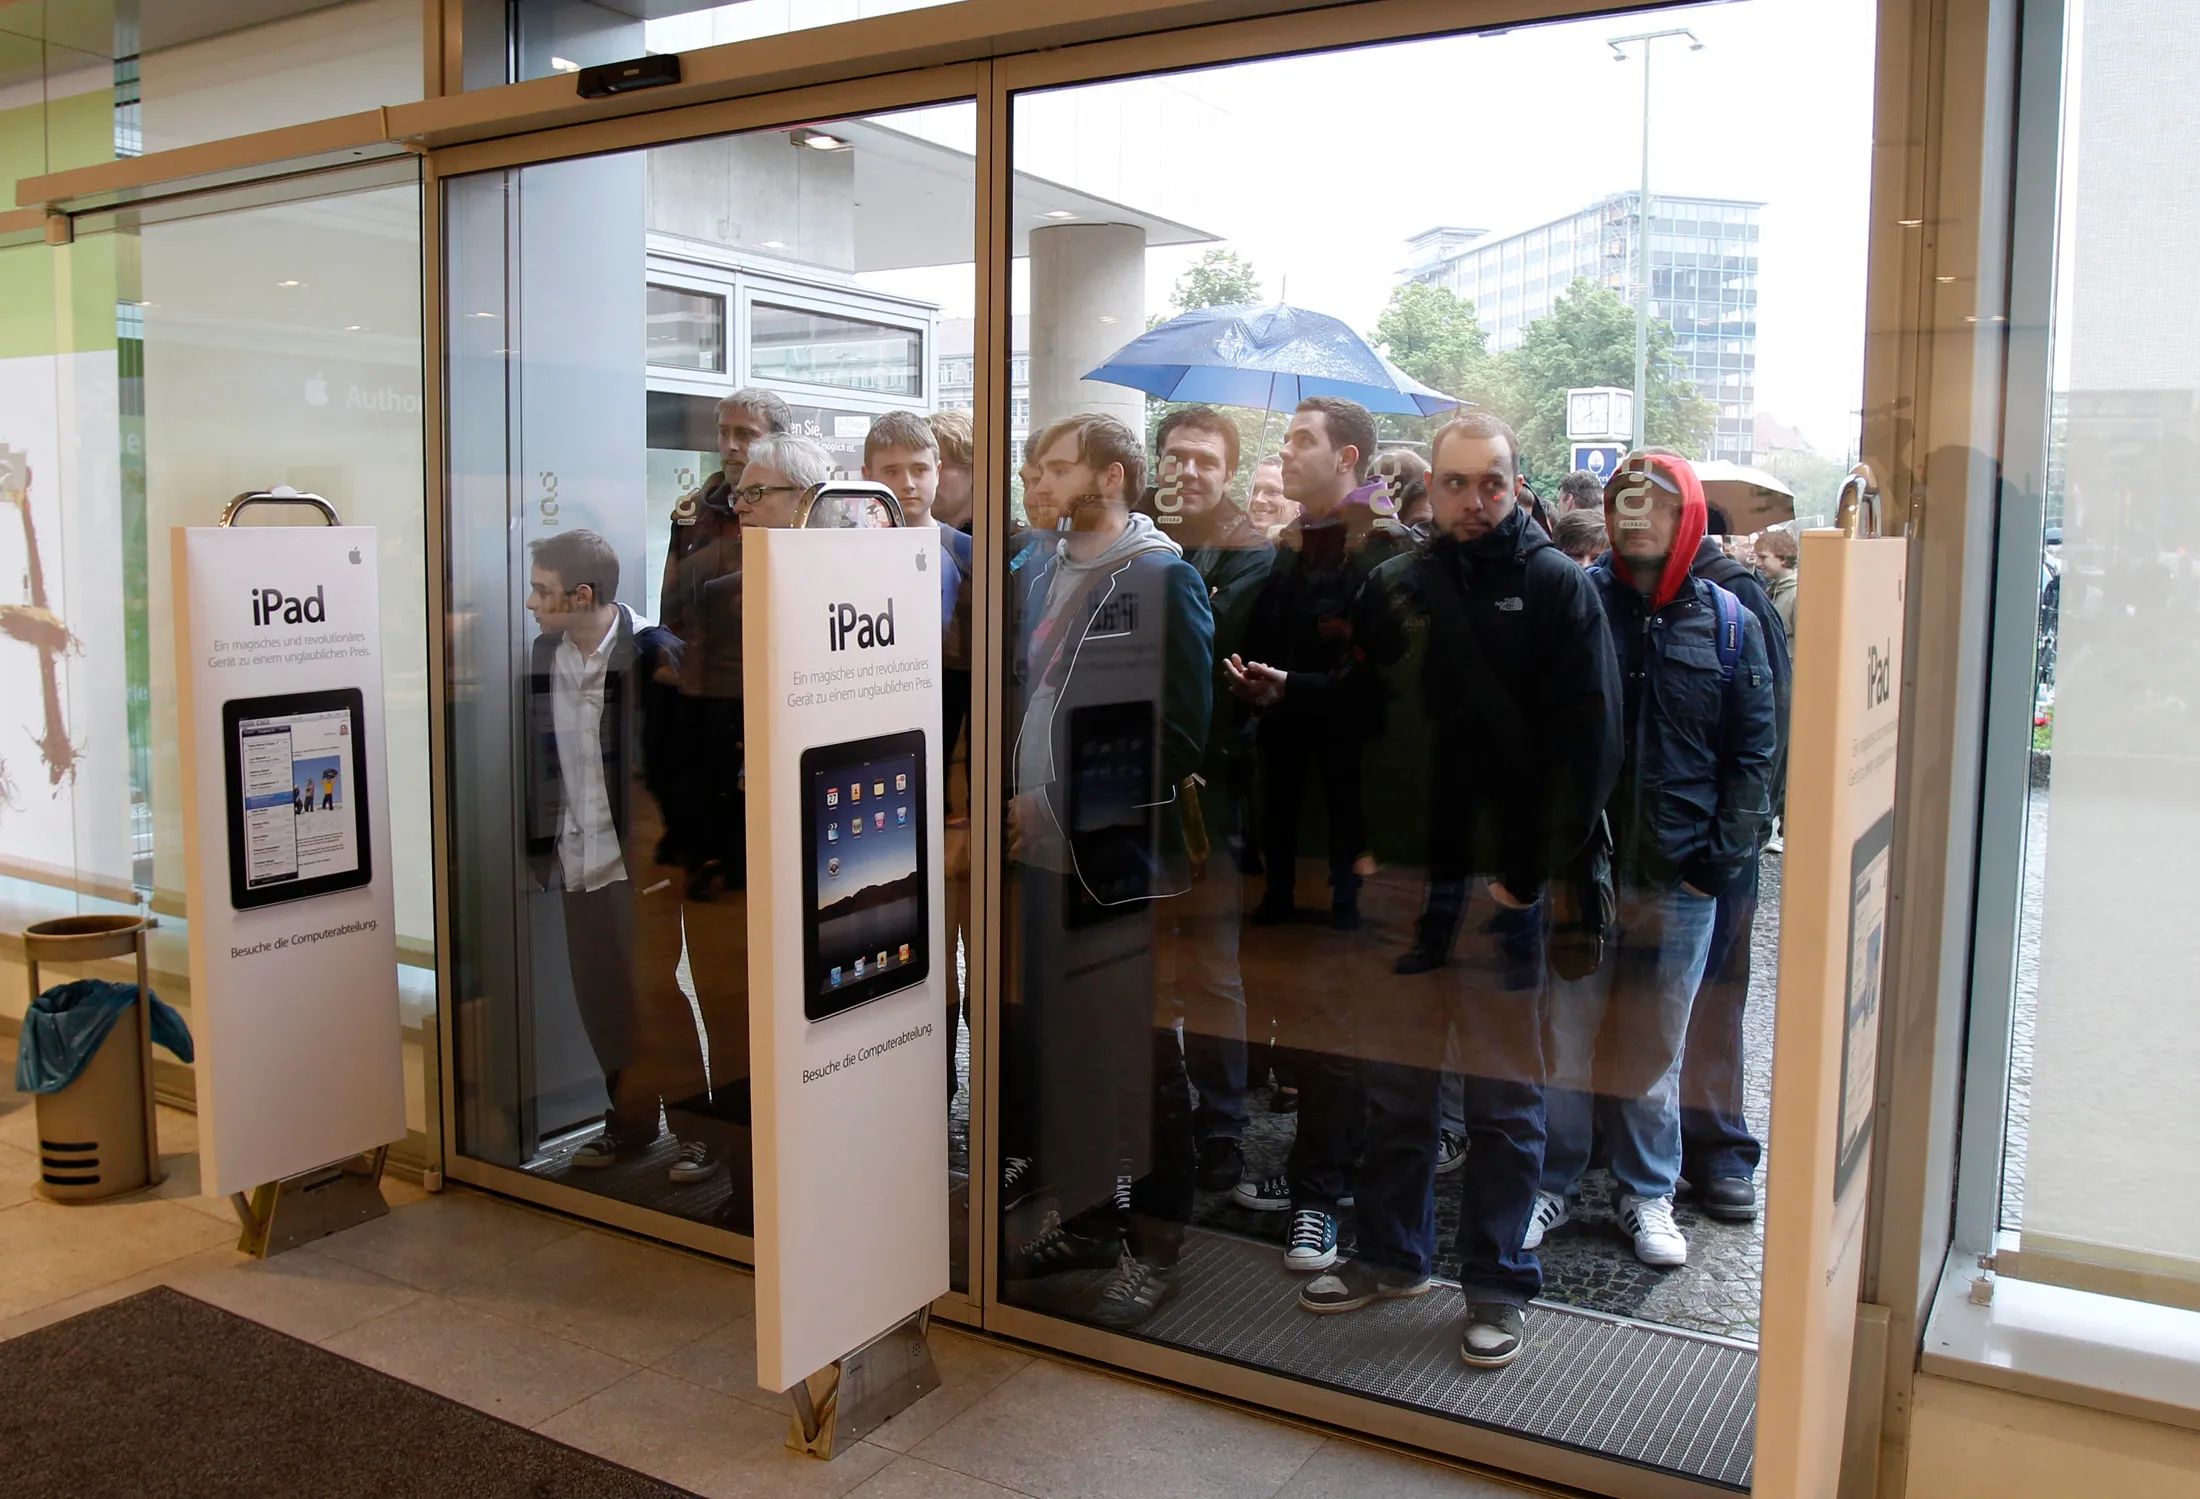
1944	278
1909	223
818	140
1058	213
775	244
287	283
565	65
481	314
353	327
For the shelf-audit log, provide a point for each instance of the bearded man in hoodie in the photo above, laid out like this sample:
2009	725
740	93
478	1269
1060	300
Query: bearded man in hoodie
1700	745
1114	674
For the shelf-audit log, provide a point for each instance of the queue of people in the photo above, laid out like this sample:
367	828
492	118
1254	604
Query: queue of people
1549	761
1386	794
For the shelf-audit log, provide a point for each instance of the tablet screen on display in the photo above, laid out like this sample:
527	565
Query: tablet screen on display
866	928
297	796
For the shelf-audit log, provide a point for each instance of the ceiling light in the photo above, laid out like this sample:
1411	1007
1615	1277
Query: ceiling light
775	244
286	283
1909	223
481	314
1058	213
1944	278
353	327
565	65
818	140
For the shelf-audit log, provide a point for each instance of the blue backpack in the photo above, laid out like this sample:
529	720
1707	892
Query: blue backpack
1728	637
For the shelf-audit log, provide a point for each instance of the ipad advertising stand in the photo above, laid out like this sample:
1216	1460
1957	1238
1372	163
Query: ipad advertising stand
286	845
848	961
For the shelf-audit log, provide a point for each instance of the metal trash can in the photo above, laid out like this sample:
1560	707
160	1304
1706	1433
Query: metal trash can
99	1136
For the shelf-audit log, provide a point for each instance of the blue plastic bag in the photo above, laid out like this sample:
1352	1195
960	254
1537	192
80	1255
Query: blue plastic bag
67	1023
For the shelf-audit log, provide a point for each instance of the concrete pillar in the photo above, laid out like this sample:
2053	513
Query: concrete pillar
1088	299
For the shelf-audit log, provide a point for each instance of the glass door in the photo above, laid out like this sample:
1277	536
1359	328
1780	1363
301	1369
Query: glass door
649	353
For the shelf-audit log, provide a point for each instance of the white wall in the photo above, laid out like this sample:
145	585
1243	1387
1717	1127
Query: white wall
1971	1442
338	60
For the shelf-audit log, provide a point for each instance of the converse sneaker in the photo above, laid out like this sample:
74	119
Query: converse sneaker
1496	1332
1451	1152
601	1152
1354	1284
1019	1177
1134	1292
1658	1239
1551	1211
1312	1242
1268	1194
692	1164
1058	1250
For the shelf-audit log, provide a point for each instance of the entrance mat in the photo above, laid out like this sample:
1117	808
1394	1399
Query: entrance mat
1662	1398
164	1397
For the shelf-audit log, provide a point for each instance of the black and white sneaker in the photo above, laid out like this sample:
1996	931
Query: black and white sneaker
1312	1242
1269	1194
1136	1290
1451	1152
692	1164
1496	1332
1057	1251
1353	1285
1019	1177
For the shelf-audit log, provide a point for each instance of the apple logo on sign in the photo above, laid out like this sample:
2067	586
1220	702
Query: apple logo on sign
355	556
317	391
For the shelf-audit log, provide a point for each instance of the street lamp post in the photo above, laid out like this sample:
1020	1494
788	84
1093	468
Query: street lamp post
1641	276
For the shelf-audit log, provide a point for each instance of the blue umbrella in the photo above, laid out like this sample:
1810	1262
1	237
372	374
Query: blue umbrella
1269	358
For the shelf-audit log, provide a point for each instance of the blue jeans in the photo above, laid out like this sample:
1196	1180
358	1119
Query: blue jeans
1493	996
1715	1137
1637	1003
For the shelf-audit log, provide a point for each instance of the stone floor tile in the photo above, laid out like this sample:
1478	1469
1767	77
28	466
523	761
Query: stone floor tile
53	1251
1058	1432
970	1369
725	1362
1348	1470
301	1292
486	1362
206	1260
18	1176
632	1300
707	1443
446	1239
913	1478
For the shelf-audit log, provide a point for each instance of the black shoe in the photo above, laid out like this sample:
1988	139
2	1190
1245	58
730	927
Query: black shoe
1418	959
1353	1285
1273	911
1496	1332
1221	1164
1344	915
1136	1290
1059	1250
1730	1199
1285	1101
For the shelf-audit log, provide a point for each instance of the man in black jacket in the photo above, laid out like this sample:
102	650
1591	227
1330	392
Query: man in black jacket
1719	1155
1504	640
1687	813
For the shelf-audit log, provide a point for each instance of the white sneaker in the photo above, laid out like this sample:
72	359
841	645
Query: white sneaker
1551	1211
692	1164
1658	1239
1312	1242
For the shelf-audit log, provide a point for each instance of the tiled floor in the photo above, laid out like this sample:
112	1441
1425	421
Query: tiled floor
647	1356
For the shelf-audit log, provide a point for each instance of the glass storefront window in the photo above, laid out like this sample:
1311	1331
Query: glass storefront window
805	347
1305	1063
687	329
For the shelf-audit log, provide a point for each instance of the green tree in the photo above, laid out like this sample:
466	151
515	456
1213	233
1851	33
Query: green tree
1588	338
1432	334
1219	278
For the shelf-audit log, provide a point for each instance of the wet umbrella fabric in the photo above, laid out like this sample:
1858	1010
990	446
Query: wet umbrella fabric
1268	358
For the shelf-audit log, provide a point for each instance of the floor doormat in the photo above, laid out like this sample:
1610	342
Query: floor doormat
165	1397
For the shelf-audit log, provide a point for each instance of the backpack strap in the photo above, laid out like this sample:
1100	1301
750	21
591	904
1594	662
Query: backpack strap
1728	638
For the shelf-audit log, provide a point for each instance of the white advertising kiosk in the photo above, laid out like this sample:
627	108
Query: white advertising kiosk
286	840
1846	731
848	964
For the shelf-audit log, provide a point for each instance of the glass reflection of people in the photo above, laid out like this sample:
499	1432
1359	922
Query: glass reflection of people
590	835
901	452
1581	492
704	835
1407	473
1500	643
1580	536
1700	744
1316	711
953	506
1266	505
1113	675
1199	458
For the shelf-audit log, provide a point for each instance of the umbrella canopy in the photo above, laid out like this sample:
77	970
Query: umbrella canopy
1751	498
1269	358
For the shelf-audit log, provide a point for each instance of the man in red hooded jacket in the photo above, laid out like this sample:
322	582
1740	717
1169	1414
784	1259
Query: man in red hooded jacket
1700	743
